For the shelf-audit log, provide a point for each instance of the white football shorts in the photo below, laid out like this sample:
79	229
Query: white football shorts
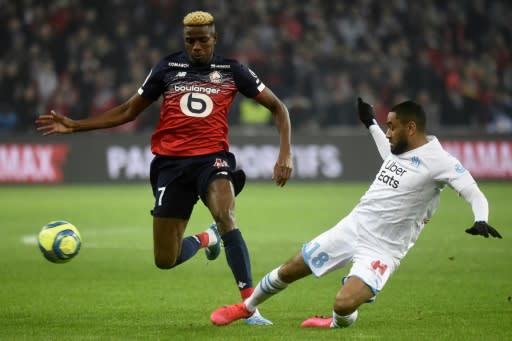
342	244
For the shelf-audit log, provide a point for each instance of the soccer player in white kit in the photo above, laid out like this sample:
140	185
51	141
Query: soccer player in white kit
384	225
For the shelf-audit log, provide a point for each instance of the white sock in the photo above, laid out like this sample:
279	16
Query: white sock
343	321
269	285
212	238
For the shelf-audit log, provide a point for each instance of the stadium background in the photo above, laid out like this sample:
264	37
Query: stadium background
84	56
81	58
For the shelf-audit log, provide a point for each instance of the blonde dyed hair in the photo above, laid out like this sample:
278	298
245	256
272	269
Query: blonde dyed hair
198	18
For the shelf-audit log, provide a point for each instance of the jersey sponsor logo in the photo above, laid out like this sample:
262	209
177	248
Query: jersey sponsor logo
182	65
380	267
196	88
220	66
194	104
388	179
215	77
391	174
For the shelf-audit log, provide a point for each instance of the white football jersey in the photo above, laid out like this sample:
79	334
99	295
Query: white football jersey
406	191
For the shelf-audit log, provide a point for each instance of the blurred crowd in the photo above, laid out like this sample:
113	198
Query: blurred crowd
80	58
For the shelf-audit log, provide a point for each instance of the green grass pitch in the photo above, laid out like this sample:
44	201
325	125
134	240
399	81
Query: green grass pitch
451	286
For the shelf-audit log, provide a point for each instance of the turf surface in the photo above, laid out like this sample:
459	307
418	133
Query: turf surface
451	286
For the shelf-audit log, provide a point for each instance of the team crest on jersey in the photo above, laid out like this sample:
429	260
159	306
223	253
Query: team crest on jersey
215	77
219	163
459	168
416	161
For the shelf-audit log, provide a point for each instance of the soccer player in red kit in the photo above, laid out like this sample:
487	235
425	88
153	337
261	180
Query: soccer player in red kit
191	148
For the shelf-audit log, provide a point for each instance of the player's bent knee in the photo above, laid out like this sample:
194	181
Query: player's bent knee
345	305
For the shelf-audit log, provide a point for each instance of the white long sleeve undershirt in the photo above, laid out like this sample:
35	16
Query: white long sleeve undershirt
380	140
478	202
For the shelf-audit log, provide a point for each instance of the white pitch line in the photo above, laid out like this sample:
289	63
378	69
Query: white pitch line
31	239
112	246
117	230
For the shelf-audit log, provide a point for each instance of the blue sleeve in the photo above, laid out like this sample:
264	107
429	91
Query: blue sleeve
154	84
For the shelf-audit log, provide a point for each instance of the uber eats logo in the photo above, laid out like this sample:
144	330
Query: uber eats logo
391	174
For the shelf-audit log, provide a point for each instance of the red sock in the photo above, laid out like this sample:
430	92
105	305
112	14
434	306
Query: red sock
246	293
203	239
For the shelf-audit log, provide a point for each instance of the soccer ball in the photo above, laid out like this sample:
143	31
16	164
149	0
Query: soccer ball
59	241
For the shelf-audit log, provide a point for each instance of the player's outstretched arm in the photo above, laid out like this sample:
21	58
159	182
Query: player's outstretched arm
284	165
54	123
367	116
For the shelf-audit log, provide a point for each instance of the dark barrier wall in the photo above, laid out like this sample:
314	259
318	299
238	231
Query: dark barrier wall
101	157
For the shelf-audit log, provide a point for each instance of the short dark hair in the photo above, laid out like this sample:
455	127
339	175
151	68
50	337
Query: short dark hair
411	111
